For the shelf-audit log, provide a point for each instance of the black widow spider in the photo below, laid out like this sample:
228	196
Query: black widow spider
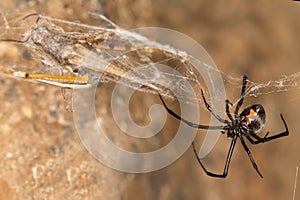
249	123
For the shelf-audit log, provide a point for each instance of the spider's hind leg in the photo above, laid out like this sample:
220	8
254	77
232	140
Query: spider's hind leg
267	138
228	159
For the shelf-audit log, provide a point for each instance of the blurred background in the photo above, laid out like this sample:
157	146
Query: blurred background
42	157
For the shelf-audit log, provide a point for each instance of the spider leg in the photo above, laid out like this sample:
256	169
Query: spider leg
228	159
212	111
228	103
191	124
253	141
266	138
249	155
239	104
258	139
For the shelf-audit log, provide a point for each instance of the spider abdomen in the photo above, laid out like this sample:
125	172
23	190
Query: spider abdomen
254	118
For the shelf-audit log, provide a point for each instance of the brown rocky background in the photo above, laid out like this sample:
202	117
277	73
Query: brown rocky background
42	157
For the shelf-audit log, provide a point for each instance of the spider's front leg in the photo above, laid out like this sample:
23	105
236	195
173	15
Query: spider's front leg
212	111
227	104
191	124
242	97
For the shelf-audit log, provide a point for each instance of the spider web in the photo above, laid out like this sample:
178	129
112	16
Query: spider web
113	52
122	60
